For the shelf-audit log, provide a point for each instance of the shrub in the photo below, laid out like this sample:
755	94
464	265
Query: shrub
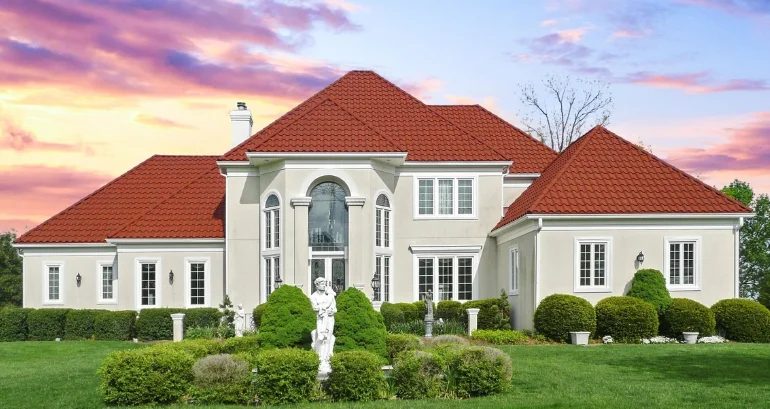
626	319
418	375
412	311
46	324
199	333
202	317
684	315
450	311
79	324
558	314
398	343
257	315
145	376
650	285
391	314
446	339
356	376
249	344
155	324
478	371
358	325
285	375
490	314
742	320
414	327
449	327
288	319
499	337
115	325
13	324
196	348
218	370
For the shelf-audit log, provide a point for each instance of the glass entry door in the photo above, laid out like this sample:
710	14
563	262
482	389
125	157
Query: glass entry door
331	268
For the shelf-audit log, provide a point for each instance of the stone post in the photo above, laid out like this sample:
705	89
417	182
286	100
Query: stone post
178	326
473	319
377	305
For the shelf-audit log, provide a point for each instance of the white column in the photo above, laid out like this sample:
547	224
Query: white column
473	319
178	326
377	305
356	271
301	207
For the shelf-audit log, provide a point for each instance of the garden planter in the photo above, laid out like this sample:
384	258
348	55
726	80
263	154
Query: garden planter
579	337
690	337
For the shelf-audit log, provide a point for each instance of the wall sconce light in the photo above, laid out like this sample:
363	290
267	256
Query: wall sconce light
640	257
78	278
278	281
171	276
20	252
376	286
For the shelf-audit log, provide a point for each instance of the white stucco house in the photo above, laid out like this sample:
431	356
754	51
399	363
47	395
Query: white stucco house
363	179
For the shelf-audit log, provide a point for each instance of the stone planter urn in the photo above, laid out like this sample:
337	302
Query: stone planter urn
690	337
579	337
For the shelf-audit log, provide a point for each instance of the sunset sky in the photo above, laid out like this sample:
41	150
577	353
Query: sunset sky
89	88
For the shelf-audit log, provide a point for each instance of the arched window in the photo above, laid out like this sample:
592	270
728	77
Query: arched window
271	253
328	218
382	223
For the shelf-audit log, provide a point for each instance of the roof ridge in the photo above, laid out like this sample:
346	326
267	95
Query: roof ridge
373	128
267	138
469	134
134	220
86	197
497	118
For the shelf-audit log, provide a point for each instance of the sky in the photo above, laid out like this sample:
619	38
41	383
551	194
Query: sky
90	88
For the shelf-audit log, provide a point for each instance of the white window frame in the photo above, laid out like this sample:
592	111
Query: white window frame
99	294
668	240
263	223
436	252
455	197
159	277
607	287
188	262
383	251
272	252
46	265
263	274
385	296
514	269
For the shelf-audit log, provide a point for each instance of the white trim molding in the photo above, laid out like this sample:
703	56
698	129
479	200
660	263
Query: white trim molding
608	259
301	201
159	276
99	282
62	277
188	262
354	201
697	260
445	249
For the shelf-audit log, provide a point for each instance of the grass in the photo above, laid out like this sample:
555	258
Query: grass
63	375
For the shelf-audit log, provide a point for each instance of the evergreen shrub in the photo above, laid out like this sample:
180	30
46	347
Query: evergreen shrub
46	324
285	376
650	285
559	314
287	319
742	320
684	315
13	324
356	376
626	319
79	324
398	343
115	325
358	326
154	324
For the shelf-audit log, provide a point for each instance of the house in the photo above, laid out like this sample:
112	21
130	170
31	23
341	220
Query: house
363	180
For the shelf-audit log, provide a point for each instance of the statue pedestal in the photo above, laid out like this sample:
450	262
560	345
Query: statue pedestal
429	326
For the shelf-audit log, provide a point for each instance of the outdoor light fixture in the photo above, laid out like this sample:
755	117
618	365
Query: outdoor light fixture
171	276
376	286
278	281
78	278
640	257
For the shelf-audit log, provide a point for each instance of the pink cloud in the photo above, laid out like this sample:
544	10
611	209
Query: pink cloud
20	226
16	139
549	23
423	88
695	83
158	121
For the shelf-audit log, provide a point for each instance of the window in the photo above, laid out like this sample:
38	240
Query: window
455	197
382	267
382	222
682	263
272	271
382	250
328	218
514	268
271	255
447	277
148	284
272	222
107	289
197	284
53	278
592	265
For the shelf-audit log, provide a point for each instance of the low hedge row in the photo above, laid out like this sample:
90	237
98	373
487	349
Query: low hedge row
155	324
492	313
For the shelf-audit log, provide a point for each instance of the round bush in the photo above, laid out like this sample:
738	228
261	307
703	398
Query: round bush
500	337
742	320
285	375
145	376
115	325
79	324
684	315
46	324
391	314
626	319
650	285
558	314
358	325
481	371
450	311
398	343
418	375
13	324
356	376
287	320
257	317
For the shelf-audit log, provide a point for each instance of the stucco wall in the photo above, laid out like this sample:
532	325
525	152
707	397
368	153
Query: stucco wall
522	304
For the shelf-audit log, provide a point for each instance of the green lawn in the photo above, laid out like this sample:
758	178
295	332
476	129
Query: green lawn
63	375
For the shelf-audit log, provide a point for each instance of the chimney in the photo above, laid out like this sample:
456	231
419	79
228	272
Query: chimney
240	123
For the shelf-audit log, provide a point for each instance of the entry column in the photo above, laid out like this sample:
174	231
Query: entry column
356	241
301	206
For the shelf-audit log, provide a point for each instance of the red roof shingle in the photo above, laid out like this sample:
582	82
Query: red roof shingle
602	173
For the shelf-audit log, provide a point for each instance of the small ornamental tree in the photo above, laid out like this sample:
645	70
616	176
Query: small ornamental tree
358	325
287	320
650	285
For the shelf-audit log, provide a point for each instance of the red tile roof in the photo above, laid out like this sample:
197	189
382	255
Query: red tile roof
602	173
527	153
145	191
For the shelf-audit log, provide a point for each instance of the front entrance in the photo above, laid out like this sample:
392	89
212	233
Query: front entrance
332	268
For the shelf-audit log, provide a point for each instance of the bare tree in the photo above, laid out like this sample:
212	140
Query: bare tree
566	107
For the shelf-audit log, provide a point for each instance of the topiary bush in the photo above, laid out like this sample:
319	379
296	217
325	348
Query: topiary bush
684	315
288	319
356	376
391	314
79	324
145	376
650	285
257	315
479	371
155	324
558	314
46	324
285	375
13	324
115	325
202	317
500	337
742	320
450	311
418	375
398	343
221	379
358	325
248	343
626	319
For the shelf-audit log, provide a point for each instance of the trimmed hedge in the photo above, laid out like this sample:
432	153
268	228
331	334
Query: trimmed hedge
221	379
13	324
288	319
398	343
79	324
155	324
257	315
46	324
684	315
626	319
559	314
196	348
202	317
249	344
418	375
358	326
285	375
650	285
391	314
115	325
491	316
356	376
499	337
450	311
742	320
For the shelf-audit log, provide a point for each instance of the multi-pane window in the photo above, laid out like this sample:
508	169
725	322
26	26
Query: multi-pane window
197	284
448	277
382	268
681	263
54	278
425	276
108	290
445	276
382	222
464	278
272	222
593	267
514	270
148	283
272	271
455	196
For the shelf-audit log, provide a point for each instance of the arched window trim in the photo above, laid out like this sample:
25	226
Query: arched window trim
271	237
383	240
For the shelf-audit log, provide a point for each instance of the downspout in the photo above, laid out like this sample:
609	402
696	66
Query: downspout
226	283
737	247
537	262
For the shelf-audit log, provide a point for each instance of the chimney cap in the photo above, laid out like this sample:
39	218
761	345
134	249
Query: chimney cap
241	105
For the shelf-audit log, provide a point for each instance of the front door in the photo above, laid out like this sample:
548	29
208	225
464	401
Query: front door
332	268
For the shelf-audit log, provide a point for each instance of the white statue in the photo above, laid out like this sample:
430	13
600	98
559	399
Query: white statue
239	321
323	336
